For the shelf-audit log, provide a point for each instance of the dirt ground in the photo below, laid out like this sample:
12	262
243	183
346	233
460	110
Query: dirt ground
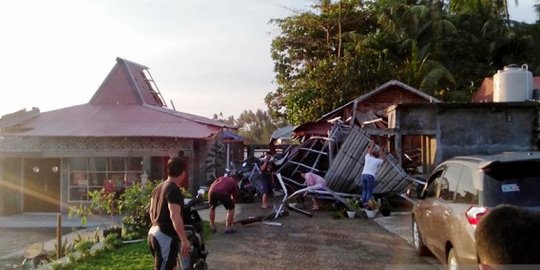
319	242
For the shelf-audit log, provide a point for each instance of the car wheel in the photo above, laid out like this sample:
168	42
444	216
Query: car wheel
452	261
419	246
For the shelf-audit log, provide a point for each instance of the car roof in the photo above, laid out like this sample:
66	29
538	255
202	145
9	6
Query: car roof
483	161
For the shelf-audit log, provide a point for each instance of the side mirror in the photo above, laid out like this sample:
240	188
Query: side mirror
415	191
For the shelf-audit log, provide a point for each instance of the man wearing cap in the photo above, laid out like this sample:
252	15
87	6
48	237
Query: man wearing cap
223	190
373	160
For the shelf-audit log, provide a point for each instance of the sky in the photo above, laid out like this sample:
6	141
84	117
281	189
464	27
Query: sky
206	56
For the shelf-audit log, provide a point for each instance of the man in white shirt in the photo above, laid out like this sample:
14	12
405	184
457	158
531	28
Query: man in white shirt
374	159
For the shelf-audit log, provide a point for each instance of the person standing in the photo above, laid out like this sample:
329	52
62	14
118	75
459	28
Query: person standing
313	179
167	236
223	190
266	180
374	159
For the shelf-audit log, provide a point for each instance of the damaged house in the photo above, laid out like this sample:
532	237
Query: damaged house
418	130
50	160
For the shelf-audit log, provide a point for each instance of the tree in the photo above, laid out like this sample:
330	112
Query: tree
339	50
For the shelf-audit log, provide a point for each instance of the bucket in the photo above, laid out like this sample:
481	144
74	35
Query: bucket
351	214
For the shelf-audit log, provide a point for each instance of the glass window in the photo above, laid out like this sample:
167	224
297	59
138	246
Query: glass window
516	183
466	193
78	164
98	164
117	164
449	182
434	184
89	174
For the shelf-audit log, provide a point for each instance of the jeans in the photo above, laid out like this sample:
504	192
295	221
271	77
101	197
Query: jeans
368	185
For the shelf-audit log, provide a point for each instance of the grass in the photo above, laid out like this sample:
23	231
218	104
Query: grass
129	256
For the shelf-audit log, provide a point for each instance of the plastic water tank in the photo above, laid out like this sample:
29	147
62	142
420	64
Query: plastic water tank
513	84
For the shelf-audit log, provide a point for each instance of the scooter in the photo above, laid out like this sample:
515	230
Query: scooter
193	227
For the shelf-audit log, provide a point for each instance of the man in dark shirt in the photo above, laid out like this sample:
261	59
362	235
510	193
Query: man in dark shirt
166	214
223	191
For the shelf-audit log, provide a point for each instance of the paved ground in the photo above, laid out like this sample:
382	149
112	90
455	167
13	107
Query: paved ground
319	242
299	243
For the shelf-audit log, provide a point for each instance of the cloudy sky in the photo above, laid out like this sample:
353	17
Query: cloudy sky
207	56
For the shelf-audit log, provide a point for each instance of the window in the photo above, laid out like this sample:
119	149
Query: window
449	182
433	187
466	193
90	174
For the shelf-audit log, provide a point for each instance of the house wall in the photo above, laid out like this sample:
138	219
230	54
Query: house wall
470	128
17	148
485	129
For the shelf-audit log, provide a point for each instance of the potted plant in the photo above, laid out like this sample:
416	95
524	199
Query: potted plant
353	207
371	209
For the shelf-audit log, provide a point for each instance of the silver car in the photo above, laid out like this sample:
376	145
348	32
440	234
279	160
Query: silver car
462	189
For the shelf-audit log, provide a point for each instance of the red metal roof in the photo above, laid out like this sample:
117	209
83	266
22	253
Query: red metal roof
124	105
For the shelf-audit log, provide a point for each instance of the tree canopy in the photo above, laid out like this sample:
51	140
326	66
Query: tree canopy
338	50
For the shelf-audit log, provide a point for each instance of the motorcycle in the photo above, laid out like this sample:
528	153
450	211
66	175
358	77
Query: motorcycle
193	227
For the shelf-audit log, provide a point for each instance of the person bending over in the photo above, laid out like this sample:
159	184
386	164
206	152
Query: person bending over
313	179
223	190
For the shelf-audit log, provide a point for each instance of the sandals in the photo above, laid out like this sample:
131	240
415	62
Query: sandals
229	231
265	207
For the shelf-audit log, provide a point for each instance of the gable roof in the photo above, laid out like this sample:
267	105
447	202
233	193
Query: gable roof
379	89
126	104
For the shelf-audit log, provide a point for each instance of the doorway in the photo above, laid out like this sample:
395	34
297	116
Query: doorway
41	185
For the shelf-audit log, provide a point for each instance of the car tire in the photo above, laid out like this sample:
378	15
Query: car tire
452	262
418	244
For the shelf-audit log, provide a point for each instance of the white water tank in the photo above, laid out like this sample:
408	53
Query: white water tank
513	84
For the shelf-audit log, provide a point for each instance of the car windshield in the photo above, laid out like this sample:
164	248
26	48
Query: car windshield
516	183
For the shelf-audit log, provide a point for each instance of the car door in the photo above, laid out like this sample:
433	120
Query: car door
423	207
441	209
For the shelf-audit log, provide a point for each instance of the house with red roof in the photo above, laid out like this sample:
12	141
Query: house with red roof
126	132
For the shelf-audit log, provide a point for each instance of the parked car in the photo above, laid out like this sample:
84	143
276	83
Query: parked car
462	189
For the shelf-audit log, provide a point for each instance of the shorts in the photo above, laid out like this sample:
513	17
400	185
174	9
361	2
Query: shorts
164	248
219	198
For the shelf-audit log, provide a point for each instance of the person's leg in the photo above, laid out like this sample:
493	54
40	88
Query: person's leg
265	190
230	219
229	222
212	199
315	204
370	187
364	189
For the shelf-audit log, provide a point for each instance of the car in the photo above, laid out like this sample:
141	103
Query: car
459	191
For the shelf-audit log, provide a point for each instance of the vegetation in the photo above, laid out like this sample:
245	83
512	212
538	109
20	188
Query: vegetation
257	127
339	50
118	256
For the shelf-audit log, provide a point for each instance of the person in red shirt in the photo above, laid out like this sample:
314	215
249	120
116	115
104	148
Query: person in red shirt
223	190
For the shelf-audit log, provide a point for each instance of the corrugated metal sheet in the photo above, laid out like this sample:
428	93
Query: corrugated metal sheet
125	105
112	121
127	84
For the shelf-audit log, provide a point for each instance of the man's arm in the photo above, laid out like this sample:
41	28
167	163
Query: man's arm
178	223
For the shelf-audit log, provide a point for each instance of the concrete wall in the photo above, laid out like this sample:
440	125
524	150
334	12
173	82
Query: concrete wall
470	128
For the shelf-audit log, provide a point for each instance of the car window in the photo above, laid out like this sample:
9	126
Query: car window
434	181
449	182
465	192
516	183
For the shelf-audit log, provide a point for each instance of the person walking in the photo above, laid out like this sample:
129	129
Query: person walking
167	236
223	190
374	159
313	180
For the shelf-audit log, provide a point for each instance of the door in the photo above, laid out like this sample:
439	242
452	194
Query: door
41	185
